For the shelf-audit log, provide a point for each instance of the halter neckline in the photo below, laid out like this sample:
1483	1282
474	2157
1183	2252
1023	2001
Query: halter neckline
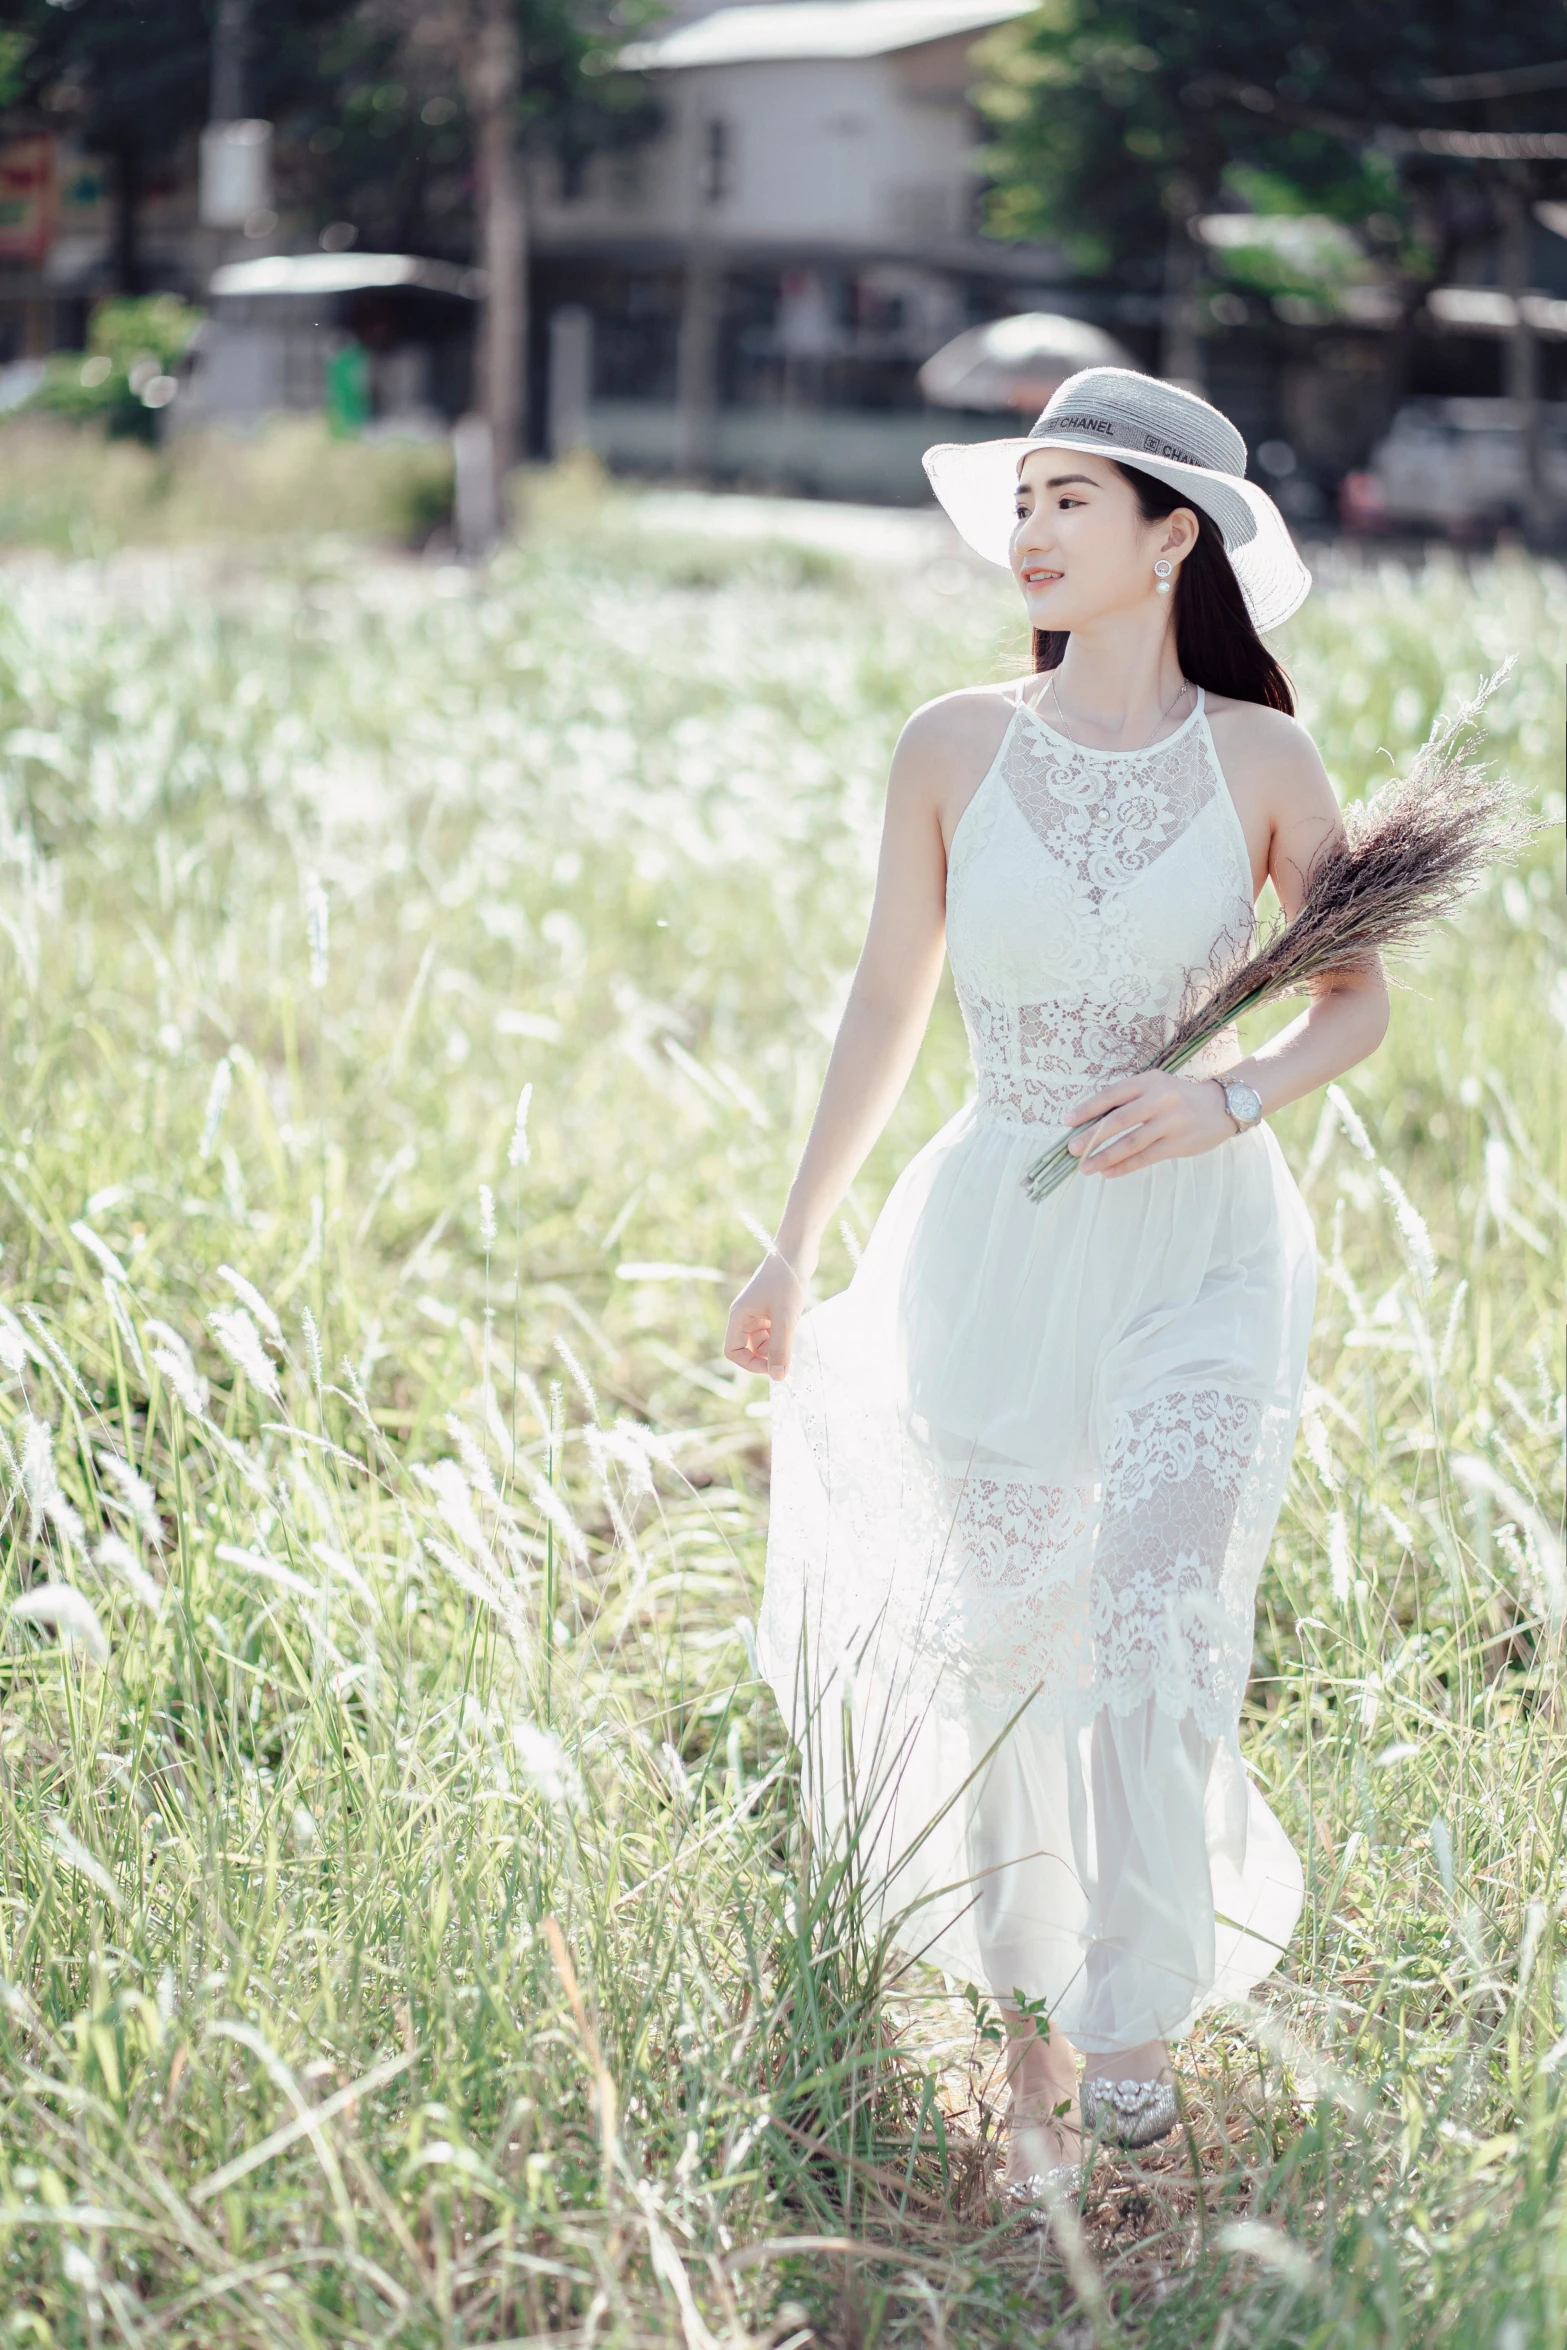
1094	751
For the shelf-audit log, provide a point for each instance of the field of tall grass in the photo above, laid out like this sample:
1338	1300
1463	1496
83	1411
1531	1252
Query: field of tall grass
66	486
415	985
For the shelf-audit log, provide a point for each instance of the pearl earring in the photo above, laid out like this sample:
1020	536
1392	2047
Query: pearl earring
1162	571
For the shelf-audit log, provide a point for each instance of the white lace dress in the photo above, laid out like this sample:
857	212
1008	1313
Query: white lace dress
1027	1465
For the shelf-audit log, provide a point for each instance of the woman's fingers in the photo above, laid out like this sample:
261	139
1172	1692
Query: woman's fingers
1113	1097
761	1344
1130	1147
1144	1158
747	1341
762	1320
1099	1136
1146	1119
1103	1150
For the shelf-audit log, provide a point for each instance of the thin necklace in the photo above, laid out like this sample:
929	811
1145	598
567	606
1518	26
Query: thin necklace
1055	693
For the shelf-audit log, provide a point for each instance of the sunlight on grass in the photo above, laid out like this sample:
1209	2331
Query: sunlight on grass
408	1932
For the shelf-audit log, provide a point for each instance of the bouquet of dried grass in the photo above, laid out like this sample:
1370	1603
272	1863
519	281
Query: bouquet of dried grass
1409	857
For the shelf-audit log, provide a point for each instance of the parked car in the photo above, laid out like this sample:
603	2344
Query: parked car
1455	466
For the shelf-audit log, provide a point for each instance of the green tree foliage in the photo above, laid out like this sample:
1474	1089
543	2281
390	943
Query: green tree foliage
133	348
135	80
1111	116
382	138
367	97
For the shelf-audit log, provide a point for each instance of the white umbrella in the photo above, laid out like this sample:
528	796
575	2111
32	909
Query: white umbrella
1017	362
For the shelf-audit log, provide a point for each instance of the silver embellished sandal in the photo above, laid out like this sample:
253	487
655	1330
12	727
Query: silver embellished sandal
1059	2182
1063	2183
1127	2113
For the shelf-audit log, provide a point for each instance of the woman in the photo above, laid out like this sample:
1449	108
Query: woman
1026	1467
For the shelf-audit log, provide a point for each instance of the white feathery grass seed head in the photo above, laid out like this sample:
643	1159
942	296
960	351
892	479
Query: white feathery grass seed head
551	1507
544	1761
1449	1335
1556	1001
1319	1450
317	927
1349	1118
1255	2239
70	1615
114	1298
1412	1227
217	1102
674	1770
520	1150
1403	1533
486	1218
447	1482
115	1553
99	1249
480	1474
528	1389
41	1485
79	2268
307	1322
250	1296
173	1358
240	1340
133	1494
579	1377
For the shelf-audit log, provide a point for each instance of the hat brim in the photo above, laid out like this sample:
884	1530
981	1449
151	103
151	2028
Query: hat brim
974	481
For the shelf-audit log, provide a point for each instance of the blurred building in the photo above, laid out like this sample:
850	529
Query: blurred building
750	293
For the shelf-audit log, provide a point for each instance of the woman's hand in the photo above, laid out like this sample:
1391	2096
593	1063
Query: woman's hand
1146	1118
763	1317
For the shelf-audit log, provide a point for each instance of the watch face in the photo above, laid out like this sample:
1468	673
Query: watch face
1245	1103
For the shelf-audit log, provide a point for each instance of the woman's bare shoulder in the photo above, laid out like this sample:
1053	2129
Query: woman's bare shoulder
956	728
1256	732
1259	746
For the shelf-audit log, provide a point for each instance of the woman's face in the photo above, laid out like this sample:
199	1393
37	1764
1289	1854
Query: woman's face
1081	550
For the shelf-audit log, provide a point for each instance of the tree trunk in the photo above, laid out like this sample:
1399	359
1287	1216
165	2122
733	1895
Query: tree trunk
493	74
1523	359
696	363
127	218
230	39
1180	353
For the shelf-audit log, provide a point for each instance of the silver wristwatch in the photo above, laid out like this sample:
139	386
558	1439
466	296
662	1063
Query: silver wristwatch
1243	1101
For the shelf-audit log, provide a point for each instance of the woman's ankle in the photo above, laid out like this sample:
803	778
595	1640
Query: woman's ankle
1045	2145
1148	2061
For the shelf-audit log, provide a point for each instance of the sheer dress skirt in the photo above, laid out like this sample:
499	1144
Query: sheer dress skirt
1025	1471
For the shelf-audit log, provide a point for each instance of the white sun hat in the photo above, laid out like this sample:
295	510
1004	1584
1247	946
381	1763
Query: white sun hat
1138	420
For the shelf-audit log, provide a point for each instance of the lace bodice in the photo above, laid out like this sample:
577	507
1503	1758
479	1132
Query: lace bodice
1090	896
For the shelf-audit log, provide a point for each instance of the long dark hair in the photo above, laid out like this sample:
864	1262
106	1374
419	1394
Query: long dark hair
1215	642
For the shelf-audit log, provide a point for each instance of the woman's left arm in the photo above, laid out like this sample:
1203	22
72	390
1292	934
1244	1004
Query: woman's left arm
1166	1116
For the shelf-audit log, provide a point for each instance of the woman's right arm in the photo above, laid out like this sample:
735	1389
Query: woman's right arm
878	1037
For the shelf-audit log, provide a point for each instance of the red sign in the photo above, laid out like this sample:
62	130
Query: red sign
29	198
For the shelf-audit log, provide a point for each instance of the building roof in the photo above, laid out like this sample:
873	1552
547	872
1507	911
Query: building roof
772	31
342	273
